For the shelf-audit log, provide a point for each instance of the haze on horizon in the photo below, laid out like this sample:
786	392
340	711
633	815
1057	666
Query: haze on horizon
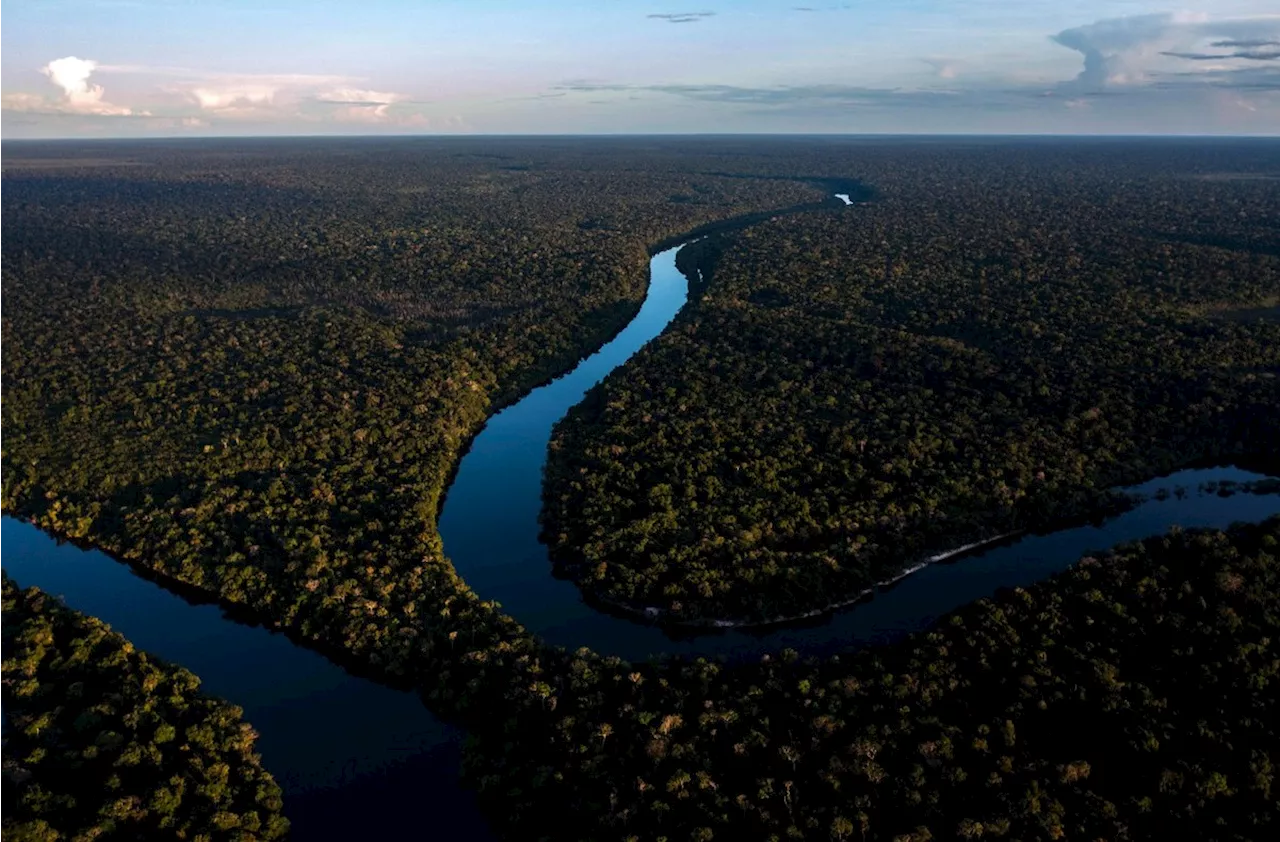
137	68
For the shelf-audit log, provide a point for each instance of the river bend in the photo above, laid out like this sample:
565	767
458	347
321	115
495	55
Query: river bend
358	760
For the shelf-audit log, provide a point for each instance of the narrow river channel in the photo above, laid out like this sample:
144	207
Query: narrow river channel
355	760
489	525
358	760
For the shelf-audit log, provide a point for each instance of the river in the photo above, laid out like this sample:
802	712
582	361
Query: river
359	760
351	756
489	526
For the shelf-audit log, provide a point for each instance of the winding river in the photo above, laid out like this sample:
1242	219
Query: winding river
489	525
359	760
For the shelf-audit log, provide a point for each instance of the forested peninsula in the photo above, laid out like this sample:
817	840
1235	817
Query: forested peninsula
250	367
104	741
984	349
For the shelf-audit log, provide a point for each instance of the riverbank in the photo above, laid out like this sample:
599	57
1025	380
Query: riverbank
657	615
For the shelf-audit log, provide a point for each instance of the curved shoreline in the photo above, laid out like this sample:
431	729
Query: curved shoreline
492	552
1126	498
475	557
287	684
856	190
657	615
832	629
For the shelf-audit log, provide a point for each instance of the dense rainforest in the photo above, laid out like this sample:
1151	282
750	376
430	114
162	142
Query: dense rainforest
250	367
985	348
103	741
1131	697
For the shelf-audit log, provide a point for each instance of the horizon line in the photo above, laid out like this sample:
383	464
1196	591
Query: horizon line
607	135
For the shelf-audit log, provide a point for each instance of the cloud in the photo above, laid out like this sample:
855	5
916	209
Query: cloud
944	68
1264	78
257	95
1253	54
682	17
169	123
78	96
1139	74
364	115
193	99
71	74
367	113
1245	45
361	105
360	96
985	107
233	96
313	98
1128	51
1195	56
31	103
1109	46
781	95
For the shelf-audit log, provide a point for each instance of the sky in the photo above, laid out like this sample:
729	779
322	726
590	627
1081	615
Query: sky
136	68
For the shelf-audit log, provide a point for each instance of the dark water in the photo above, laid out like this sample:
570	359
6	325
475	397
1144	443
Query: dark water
916	601
489	526
489	523
357	760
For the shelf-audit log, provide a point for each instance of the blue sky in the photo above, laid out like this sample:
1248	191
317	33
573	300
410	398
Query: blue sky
111	68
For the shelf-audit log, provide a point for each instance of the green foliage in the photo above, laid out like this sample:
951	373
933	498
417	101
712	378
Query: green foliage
102	741
1133	696
254	372
250	368
999	337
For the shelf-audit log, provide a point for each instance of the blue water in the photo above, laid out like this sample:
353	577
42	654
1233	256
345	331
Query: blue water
913	603
350	755
489	525
360	761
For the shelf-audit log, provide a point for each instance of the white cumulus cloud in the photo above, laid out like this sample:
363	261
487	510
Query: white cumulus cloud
192	98
72	75
360	96
284	95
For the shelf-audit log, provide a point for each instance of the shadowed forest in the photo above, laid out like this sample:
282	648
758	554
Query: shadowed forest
987	347
249	368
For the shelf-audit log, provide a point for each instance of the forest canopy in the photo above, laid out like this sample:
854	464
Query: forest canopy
250	367
104	741
996	340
